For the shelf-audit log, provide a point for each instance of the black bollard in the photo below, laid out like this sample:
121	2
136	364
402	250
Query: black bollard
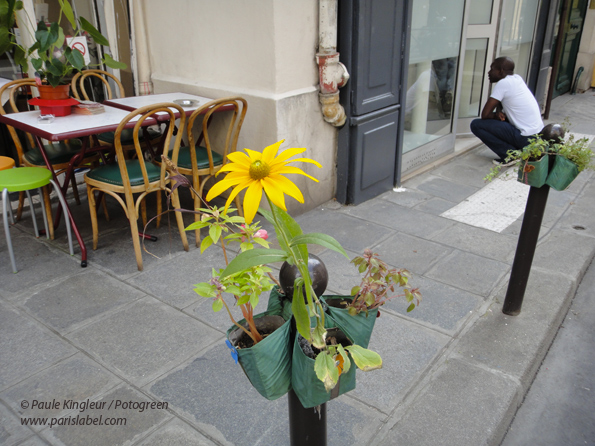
525	250
307	427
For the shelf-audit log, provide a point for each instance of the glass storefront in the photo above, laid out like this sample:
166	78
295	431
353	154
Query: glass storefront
433	61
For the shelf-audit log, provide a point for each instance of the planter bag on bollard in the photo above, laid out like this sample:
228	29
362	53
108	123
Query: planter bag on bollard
306	385
267	364
534	173
359	327
562	174
279	304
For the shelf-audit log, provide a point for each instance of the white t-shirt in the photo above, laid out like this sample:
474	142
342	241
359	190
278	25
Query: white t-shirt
519	104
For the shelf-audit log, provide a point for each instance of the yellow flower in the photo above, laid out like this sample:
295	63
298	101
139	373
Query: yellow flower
257	171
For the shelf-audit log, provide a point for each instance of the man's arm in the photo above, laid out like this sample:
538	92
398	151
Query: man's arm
488	110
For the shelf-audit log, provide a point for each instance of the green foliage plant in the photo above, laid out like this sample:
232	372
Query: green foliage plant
577	151
534	151
379	285
53	61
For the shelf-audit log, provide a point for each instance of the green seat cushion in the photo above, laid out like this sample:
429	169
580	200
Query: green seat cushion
24	178
202	158
110	173
127	136
58	153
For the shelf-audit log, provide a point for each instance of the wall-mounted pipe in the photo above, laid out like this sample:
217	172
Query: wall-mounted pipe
332	73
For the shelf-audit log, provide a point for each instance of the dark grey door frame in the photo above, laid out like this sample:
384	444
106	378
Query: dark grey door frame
349	157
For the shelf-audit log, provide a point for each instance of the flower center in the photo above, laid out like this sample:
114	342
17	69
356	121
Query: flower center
259	170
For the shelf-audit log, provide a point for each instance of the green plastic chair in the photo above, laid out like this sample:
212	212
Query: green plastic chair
24	179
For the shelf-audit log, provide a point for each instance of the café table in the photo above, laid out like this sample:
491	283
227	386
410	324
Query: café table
69	127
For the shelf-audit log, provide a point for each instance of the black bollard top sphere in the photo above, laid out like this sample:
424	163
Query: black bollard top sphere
553	133
318	273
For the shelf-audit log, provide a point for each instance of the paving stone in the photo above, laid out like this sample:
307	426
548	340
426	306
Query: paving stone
172	281
442	306
34	441
572	250
463	174
11	430
352	233
26	348
406	197
193	390
435	206
342	274
137	423
75	379
411	253
38	265
469	272
68	305
399	218
144	340
516	345
406	350
435	417
176	433
479	241
447	190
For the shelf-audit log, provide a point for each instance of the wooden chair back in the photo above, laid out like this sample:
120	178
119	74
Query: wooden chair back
238	107
82	84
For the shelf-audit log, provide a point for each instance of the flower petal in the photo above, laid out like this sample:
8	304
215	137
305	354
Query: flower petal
240	158
306	160
252	201
292	169
274	192
254	155
287	186
236	190
221	186
286	154
269	152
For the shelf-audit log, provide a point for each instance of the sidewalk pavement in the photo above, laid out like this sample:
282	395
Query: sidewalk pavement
455	369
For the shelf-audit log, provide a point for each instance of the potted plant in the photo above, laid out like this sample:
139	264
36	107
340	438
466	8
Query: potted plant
532	162
571	156
54	62
334	352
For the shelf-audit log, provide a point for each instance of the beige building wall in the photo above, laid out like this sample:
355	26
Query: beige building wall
263	50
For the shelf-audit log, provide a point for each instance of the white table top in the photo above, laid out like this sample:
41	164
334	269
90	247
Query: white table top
134	102
71	126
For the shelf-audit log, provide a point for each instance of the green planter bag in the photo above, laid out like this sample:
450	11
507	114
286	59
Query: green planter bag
278	304
358	327
306	385
267	364
534	173
562	174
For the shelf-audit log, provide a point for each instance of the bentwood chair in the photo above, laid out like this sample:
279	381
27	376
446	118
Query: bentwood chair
83	87
59	153
136	176
24	179
220	132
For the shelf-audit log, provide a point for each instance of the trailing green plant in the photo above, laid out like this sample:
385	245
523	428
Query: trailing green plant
52	60
577	151
534	151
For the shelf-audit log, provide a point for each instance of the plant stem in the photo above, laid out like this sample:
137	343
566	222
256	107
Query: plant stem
235	323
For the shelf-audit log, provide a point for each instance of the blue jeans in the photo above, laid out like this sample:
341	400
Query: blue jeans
499	136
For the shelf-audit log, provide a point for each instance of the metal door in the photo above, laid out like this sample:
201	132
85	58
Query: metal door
372	37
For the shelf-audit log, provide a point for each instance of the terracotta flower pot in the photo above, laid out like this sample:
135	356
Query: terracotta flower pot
53	93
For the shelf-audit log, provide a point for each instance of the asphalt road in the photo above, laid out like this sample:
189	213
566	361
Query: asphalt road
559	409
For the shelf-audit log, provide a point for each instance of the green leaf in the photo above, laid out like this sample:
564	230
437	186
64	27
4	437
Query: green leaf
46	37
95	34
206	242
197	225
326	371
319	334
355	290
253	257
261	241
300	312
365	359
232	289
112	63
68	12
317	238
205	289
215	233
217	305
243	299
411	307
75	57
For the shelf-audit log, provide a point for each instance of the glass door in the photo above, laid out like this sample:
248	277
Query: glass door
433	62
473	90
